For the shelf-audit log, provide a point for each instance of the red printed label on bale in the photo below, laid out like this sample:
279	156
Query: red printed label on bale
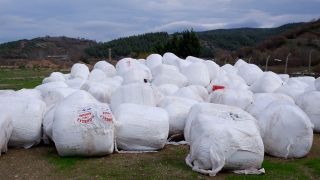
217	87
85	115
106	115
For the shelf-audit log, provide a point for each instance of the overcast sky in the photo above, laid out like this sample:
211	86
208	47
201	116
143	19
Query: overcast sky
103	20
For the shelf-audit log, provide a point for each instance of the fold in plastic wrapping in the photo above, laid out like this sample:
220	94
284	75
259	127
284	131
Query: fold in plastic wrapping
6	126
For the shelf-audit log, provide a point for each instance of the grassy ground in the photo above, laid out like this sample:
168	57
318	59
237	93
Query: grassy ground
43	161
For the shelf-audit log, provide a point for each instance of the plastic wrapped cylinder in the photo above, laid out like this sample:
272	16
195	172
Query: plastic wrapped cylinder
124	65
239	63
317	84
55	95
262	100
306	79
213	69
309	102
229	69
235	80
267	83
137	74
170	76
6	126
142	61
178	109
284	77
223	138
140	127
168	89
8	92
188	93
294	93
135	93
220	81
164	69
83	127
47	123
28	93
232	97
108	69
200	90
296	83
180	63
96	75
116	81
75	83
27	115
153	60
102	92
44	88
54	76
168	58
193	59
197	74
250	73
79	71
286	130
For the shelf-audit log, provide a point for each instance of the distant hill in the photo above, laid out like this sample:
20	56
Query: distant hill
221	44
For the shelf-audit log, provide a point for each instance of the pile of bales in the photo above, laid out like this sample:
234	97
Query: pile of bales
230	115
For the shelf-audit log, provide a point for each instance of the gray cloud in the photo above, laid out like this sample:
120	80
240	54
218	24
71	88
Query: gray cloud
103	21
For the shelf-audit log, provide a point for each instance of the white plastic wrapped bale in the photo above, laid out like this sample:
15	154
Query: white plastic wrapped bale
239	63
168	58
284	77
267	83
108	69
220	81
125	65
44	88
180	63
197	74
262	100
54	76
101	92
142	61
8	92
153	60
229	69
168	89
187	93
194	59
47	123
306	79
166	74
55	95
27	117
28	93
141	128
6	126
294	93
83	127
178	109
317	84
232	97
135	93
286	130
116	81
200	90
296	83
223	138
236	80
79	71
96	75
309	102
250	73
75	83
137	74
214	69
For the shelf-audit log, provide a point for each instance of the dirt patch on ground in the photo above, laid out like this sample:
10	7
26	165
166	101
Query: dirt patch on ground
41	64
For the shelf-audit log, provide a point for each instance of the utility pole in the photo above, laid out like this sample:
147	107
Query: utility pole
267	63
110	54
250	59
285	70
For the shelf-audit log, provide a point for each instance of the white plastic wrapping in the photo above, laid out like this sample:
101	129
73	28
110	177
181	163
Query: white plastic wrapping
317	84
188	93
125	65
214	69
79	71
168	89
286	130
44	88
229	69
136	93
309	102
83	127
27	117
200	90
57	94
96	75
197	74
232	97
267	83
140	127
250	73
166	74
178	109
223	138
153	60
140	74
106	67
6	126
75	83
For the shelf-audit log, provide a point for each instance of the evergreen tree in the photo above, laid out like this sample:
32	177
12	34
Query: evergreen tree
189	44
